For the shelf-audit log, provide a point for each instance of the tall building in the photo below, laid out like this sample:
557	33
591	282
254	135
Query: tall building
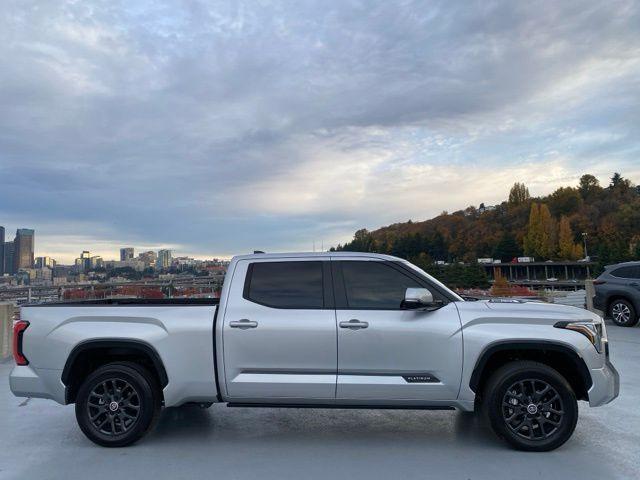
23	249
126	254
164	259
96	262
8	257
42	262
1	250
83	264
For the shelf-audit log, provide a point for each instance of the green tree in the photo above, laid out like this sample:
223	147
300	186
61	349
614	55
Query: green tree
506	248
589	186
518	194
565	201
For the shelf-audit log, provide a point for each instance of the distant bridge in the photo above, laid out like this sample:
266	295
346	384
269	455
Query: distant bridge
557	275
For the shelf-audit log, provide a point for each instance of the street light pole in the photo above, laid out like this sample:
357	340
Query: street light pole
584	239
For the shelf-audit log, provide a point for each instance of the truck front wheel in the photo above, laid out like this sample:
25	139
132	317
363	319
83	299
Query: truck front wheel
118	404
531	406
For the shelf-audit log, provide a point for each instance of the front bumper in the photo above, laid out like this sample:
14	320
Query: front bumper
605	385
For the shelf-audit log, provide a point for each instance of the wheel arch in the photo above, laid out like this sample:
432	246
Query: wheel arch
91	354
556	355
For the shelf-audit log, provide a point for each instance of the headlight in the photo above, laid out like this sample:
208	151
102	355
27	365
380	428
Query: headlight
595	331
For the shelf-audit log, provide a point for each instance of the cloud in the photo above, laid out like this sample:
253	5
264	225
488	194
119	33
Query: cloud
222	128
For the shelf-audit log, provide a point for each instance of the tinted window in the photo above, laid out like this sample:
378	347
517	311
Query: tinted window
626	272
375	285
286	284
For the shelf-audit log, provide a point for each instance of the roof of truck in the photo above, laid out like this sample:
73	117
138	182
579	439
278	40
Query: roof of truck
316	254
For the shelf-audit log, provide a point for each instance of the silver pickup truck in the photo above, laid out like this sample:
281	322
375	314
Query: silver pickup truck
341	330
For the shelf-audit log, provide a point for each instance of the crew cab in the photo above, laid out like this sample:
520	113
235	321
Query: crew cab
327	330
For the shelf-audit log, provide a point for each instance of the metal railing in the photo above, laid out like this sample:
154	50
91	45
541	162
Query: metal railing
152	288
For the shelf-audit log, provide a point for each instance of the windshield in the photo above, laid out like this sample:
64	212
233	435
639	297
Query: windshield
432	279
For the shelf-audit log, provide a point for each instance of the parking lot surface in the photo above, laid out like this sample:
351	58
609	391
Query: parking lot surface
40	440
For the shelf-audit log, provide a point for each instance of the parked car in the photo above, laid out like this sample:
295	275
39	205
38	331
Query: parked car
341	330
618	293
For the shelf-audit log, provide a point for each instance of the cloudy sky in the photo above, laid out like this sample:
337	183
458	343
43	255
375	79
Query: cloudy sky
216	128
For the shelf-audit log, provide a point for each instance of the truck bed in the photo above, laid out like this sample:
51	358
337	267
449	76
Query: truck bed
150	302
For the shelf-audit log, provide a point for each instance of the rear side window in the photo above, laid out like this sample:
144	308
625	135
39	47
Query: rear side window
375	285
627	272
285	284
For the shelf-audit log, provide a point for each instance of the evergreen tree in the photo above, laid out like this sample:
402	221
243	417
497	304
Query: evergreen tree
507	248
518	194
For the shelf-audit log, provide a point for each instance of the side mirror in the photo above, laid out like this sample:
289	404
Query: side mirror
420	299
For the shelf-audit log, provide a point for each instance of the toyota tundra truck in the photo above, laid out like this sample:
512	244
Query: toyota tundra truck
324	330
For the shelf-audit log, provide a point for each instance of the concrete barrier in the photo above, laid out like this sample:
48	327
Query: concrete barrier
6	330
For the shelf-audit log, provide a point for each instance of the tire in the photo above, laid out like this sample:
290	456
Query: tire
541	428
623	313
118	404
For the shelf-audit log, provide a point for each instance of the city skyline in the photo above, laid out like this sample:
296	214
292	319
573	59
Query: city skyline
285	124
69	260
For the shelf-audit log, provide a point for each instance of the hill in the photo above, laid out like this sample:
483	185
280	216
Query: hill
554	227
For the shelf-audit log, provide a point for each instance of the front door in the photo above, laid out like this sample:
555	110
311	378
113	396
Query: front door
386	353
279	332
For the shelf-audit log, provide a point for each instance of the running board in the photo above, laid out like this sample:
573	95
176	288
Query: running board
338	406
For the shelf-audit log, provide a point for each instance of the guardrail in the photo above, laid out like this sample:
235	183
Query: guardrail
6	330
152	288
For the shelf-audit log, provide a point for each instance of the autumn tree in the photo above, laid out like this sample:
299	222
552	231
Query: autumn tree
540	238
532	238
548	229
566	246
518	194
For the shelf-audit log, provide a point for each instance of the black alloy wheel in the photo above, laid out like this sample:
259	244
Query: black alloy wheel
532	409
530	405
113	406
118	404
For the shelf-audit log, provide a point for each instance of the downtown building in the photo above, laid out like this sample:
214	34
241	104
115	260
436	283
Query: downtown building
23	249
164	259
18	254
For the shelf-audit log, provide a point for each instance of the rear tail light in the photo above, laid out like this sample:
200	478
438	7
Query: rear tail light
19	327
599	282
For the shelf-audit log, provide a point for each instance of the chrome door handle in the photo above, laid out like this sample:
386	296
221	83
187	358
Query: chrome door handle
354	324
243	324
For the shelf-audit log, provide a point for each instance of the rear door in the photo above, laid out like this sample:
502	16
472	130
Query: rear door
279	332
386	353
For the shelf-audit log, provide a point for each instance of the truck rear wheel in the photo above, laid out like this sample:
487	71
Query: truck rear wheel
531	406
118	404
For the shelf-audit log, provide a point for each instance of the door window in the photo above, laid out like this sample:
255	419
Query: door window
285	284
627	272
375	285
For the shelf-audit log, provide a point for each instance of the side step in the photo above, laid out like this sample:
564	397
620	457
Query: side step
338	406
